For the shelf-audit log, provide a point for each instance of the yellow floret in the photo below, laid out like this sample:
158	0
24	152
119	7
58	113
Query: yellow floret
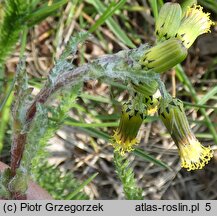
193	155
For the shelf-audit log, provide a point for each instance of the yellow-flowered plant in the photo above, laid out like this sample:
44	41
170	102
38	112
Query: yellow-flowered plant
193	155
150	95
130	122
164	55
168	21
176	30
175	33
152	102
194	23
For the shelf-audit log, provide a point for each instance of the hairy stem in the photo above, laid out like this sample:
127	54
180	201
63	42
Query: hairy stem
123	65
19	138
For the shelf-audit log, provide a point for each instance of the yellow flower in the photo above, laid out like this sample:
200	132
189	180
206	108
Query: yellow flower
150	95
194	23
193	155
130	122
152	102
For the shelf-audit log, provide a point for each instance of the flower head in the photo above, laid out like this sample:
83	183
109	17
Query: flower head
164	55
150	95
193	155
168	21
146	88
130	122
194	23
152	103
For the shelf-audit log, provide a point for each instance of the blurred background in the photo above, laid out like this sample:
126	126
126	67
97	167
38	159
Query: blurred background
81	146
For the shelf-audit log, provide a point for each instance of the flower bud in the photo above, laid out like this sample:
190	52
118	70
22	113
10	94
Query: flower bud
146	88
130	122
168	21
193	155
164	55
152	103
150	95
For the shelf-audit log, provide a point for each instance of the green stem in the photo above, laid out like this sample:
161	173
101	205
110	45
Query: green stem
126	175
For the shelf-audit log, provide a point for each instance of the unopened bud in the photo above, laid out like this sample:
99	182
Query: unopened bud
146	88
164	56
168	21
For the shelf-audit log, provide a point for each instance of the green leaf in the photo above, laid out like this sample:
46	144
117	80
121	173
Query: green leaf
4	179
79	188
95	98
200	106
43	12
211	4
106	13
208	95
126	175
71	122
111	9
141	153
5	116
96	133
153	4
58	184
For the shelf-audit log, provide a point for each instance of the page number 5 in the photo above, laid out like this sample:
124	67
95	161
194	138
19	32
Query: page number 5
208	207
